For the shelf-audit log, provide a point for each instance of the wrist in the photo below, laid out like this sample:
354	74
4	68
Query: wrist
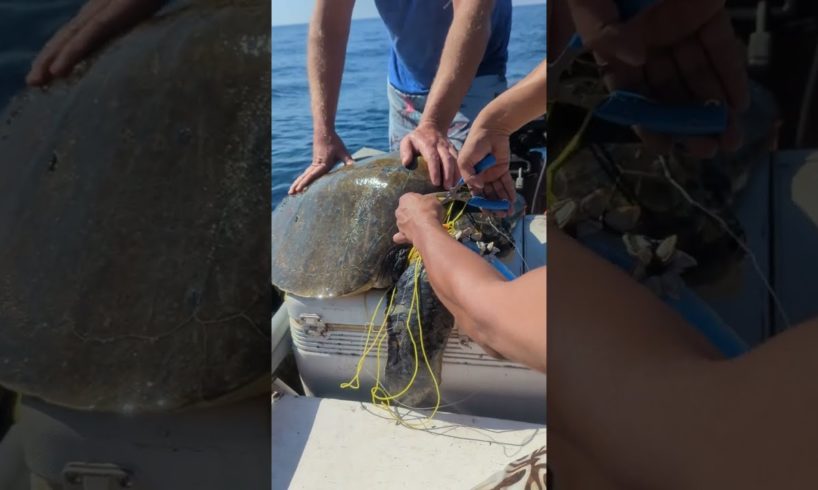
426	230
429	121
493	119
323	133
322	125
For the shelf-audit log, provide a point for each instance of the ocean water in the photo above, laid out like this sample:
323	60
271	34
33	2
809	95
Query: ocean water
362	118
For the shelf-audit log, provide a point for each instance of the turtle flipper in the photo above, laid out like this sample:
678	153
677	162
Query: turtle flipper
407	376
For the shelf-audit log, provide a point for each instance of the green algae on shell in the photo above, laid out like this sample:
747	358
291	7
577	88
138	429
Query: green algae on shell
338	232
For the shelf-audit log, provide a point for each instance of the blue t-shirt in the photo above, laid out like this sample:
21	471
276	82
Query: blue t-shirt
418	30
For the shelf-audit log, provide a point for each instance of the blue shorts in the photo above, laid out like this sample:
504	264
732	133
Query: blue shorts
405	110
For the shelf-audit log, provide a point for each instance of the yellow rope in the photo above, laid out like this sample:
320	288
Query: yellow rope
450	223
355	382
379	396
423	348
376	388
564	155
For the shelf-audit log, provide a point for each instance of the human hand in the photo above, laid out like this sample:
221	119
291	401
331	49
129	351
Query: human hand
675	51
415	212
436	149
494	182
327	150
97	22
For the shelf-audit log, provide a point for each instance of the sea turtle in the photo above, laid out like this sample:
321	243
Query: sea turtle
134	266
339	231
339	243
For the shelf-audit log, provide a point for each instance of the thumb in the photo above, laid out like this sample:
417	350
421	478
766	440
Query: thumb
347	158
400	238
466	162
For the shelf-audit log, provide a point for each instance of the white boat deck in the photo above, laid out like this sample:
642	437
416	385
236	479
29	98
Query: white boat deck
323	443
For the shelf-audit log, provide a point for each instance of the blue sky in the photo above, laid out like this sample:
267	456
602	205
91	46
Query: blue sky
298	11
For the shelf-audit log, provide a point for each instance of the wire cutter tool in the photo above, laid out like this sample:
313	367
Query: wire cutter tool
460	193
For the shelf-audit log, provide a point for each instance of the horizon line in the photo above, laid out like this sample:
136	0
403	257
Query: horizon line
291	24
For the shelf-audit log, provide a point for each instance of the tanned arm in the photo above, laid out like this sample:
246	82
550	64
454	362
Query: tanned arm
654	406
326	54
490	132
506	316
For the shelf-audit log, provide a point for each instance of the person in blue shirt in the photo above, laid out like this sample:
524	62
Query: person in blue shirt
447	61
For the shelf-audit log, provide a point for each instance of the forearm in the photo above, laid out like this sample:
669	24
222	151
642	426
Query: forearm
774	383
629	380
518	105
462	53
454	272
506	316
328	36
653	406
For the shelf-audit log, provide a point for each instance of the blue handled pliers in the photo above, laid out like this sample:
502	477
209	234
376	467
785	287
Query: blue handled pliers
628	108
459	193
